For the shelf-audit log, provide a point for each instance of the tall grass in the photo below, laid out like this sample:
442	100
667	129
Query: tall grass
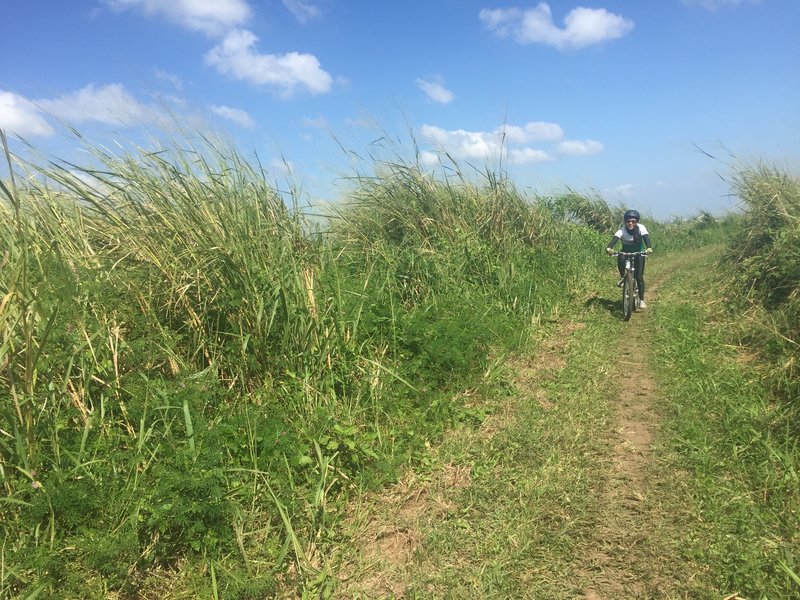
737	423
193	379
731	438
454	233
765	260
690	234
591	211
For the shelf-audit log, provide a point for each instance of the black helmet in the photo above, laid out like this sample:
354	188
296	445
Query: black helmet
631	214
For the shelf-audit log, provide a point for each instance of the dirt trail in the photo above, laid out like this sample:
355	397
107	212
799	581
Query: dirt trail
620	543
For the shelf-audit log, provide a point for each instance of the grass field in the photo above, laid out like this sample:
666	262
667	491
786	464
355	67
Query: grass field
199	384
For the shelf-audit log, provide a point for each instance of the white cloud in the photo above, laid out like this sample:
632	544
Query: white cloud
464	144
110	104
303	11
583	26
19	116
236	115
429	158
713	5
481	145
579	148
107	104
213	18
513	142
523	156
236	57
515	156
170	78
535	131
435	90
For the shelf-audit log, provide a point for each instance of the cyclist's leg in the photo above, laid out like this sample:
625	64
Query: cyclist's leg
640	275
621	265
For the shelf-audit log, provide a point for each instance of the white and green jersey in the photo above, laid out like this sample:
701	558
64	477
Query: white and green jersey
632	241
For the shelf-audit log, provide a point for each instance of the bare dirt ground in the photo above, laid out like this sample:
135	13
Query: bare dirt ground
621	542
390	537
633	552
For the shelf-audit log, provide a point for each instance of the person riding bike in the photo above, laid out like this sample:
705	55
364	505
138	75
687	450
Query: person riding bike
634	237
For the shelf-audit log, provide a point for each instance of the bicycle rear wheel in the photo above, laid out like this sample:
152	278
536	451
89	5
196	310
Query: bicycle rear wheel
627	296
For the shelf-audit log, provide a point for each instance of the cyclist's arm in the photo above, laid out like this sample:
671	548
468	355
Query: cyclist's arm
646	240
613	242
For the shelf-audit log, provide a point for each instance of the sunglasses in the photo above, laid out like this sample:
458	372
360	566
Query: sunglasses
631	221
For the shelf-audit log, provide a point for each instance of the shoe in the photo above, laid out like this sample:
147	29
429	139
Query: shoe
642	304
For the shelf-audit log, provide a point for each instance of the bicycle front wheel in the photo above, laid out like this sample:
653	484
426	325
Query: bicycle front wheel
627	296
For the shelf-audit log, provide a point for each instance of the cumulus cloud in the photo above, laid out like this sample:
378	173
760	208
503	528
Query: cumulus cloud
480	145
435	90
236	57
579	148
20	117
533	142
235	54
427	157
236	115
582	26
461	143
109	104
522	156
302	11
535	131
212	18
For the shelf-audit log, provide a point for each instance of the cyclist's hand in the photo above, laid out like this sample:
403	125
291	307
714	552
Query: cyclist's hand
648	251
609	251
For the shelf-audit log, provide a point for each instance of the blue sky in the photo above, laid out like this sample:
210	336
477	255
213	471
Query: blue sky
621	97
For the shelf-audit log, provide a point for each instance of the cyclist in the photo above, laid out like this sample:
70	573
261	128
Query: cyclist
634	236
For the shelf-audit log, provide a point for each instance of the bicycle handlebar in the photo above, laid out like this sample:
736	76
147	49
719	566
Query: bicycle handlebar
620	253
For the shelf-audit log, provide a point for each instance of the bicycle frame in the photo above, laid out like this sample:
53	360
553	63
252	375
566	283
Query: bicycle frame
630	287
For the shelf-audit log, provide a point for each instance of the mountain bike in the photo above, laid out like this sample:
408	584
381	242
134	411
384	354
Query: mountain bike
629	285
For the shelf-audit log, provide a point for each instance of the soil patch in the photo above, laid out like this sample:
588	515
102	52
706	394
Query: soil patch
394	523
623	546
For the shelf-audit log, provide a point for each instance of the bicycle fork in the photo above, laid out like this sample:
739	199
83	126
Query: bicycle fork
628	267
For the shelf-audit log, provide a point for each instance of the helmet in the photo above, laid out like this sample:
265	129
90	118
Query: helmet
631	214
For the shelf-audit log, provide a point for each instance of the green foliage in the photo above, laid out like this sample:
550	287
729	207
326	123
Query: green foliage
191	375
591	211
767	249
186	509
406	207
446	342
764	259
734	437
195	381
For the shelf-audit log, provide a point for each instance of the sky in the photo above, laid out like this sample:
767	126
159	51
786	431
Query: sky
651	104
